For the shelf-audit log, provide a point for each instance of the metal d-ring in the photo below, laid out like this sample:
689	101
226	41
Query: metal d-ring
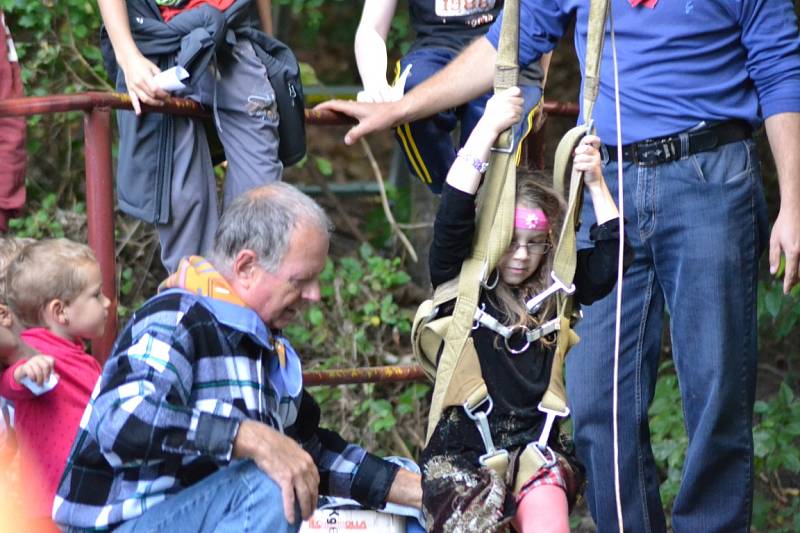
488	285
511	331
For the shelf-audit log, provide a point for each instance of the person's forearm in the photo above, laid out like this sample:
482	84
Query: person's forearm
783	132
462	174
605	208
468	76
371	58
406	489
264	8
115	19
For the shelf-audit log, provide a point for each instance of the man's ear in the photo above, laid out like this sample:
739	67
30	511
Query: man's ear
6	317
55	312
244	267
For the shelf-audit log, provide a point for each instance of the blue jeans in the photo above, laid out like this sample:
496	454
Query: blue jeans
235	499
697	226
427	144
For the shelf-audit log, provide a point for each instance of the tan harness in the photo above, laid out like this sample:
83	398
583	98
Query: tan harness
457	374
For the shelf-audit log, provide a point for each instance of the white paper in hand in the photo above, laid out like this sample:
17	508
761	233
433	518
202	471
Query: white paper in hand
399	86
37	389
172	79
390	94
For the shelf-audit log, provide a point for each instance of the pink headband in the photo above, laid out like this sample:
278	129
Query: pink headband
535	219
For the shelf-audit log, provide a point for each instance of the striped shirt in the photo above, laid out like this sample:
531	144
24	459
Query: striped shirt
182	375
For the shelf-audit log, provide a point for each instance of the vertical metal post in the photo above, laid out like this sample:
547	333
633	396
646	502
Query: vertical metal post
100	208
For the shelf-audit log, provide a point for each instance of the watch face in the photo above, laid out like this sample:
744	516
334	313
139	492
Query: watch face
458	8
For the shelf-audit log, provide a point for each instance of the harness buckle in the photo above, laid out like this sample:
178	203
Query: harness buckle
479	312
482	422
535	303
551	415
547	456
511	141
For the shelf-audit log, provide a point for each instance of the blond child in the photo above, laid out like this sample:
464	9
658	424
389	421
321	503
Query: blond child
54	288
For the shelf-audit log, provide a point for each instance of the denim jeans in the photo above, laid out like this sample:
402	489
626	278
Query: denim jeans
697	226
235	499
427	144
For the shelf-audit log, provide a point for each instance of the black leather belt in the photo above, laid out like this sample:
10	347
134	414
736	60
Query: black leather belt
672	147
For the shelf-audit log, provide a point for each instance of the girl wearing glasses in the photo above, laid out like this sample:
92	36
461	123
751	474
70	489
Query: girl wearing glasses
459	494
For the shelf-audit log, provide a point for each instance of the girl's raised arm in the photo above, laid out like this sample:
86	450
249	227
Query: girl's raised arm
503	110
587	158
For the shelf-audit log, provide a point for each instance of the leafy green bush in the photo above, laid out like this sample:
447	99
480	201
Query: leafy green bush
667	432
777	450
776	437
778	314
359	323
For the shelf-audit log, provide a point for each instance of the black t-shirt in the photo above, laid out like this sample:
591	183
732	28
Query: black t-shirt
444	24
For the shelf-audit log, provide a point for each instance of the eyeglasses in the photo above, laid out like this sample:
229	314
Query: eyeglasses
532	248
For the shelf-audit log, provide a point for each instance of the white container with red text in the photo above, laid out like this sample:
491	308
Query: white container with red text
351	520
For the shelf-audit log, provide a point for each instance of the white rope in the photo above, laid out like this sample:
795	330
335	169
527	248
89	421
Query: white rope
620	189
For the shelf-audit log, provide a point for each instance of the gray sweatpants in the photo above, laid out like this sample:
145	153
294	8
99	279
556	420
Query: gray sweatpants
246	118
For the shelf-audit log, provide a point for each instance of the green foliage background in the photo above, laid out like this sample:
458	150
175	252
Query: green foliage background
360	320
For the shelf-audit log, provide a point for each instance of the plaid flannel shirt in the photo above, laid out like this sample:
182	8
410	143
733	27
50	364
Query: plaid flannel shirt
182	375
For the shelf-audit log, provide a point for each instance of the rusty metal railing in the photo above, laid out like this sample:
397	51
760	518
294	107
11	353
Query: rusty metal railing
97	107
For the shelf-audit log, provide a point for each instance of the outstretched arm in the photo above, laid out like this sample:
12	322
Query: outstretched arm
468	76
370	48
139	71
455	218
783	132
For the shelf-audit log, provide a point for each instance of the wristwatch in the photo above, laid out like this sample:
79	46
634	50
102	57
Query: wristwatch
478	164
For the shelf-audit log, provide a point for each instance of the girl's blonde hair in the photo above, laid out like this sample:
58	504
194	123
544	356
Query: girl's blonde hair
51	269
532	193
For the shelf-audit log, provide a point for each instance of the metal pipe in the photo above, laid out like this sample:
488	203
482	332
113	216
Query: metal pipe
561	109
37	105
375	374
100	208
40	105
59	103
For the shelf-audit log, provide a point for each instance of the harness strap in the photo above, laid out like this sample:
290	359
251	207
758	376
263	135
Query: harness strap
494	230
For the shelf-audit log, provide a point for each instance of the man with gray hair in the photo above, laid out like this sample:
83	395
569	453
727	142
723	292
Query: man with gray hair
200	421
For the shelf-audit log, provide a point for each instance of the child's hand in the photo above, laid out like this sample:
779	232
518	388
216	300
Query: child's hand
38	368
503	110
140	75
587	159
